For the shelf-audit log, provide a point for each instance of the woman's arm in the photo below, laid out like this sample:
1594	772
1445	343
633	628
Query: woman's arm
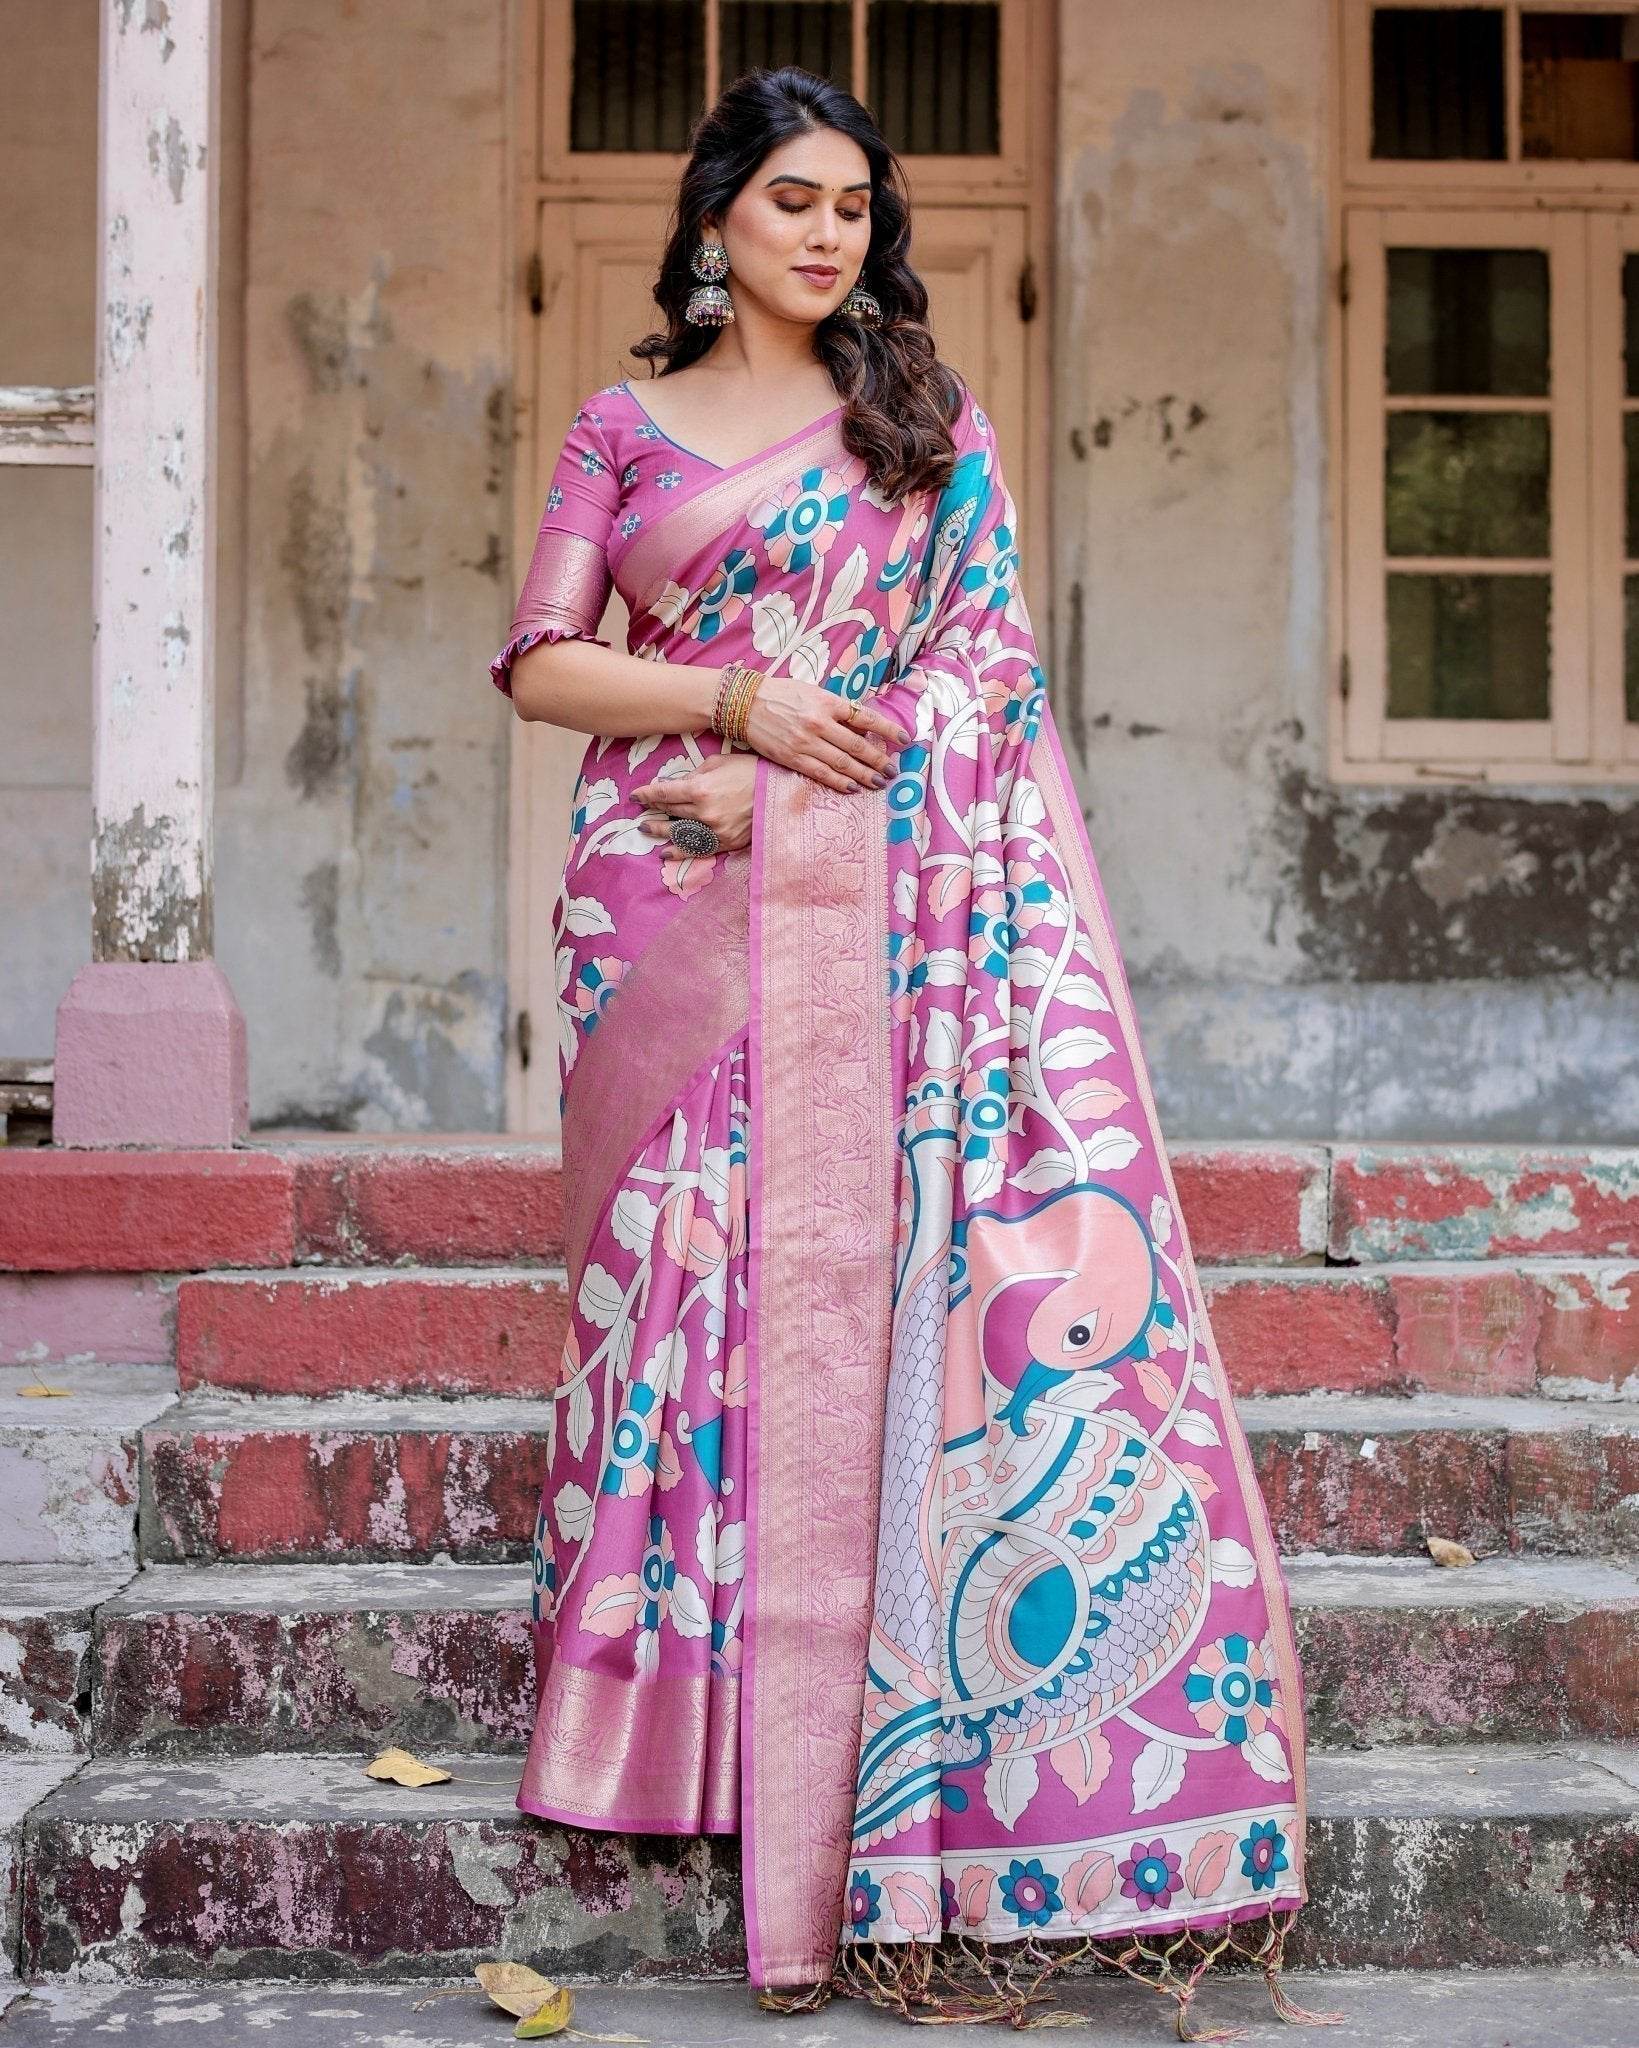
590	688
594	689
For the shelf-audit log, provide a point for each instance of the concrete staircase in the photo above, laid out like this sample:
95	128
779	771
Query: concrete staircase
280	1518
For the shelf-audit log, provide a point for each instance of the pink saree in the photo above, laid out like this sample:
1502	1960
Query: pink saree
897	1514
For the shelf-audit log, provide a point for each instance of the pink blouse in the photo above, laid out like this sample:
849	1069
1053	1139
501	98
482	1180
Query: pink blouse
613	456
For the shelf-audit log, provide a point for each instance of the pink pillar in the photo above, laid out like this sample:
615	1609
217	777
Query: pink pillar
150	1043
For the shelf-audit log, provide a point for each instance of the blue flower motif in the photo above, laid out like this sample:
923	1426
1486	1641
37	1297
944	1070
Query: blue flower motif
648	433
907	967
863	665
984	1109
554	498
669	479
805	520
991	574
590	463
628	476
1263	1855
864	1903
631	522
725	597
1229	1689
1021	715
907	792
634	1447
1030	1893
658	1573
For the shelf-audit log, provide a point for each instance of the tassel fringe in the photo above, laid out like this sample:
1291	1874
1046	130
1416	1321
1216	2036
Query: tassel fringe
962	1982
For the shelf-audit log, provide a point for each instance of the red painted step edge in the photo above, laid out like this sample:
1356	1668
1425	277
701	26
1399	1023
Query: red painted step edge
144	1212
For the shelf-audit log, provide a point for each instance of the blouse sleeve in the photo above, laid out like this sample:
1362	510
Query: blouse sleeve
568	582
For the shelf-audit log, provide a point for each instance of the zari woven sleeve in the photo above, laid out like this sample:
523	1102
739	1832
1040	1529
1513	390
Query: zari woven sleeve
567	585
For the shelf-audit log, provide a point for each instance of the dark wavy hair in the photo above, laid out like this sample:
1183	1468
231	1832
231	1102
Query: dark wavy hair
899	399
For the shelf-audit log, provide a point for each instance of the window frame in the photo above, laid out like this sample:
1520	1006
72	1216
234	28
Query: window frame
611	173
1578	214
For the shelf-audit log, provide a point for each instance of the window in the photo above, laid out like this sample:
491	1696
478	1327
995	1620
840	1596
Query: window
643	70
1489	560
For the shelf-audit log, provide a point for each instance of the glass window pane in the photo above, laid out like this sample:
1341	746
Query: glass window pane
639	74
935	67
1579	85
763	34
1631	637
1630	437
1437	82
1468	646
1466	483
1468	322
1630	302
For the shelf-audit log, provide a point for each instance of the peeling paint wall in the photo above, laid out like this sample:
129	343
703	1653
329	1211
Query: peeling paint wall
361	883
1308	958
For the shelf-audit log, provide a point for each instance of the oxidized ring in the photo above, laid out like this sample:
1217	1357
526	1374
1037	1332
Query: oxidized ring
693	835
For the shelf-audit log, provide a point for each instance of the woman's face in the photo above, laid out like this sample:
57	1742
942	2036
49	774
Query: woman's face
798	230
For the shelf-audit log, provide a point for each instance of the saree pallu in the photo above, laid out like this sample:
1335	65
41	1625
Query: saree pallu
897	1512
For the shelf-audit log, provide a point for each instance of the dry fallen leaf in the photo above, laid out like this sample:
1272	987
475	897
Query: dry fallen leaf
515	1988
552	2017
41	1392
398	1767
1444	1551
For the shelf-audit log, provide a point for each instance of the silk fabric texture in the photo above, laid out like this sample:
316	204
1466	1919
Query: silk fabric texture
897	1515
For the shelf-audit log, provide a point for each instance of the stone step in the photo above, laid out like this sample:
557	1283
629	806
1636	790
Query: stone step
46	1613
354	1478
1552	1325
231	1660
361	1478
1381	1473
481	1199
1498	1857
1483	1202
1541	2008
24	1782
68	1463
454	1330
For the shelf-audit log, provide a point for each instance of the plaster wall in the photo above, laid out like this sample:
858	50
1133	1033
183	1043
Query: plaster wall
1307	958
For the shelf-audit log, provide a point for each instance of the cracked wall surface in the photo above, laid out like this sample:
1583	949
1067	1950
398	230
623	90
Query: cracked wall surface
1309	960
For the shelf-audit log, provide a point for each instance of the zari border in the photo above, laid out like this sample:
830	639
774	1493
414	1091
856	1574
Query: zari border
1052	776
820	1315
685	997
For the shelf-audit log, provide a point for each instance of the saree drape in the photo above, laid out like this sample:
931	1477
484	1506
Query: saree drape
897	1513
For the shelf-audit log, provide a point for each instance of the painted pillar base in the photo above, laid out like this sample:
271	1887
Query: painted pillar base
150	1054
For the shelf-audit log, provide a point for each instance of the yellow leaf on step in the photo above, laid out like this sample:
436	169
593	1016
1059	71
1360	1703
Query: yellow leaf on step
41	1392
515	1988
1444	1551
550	2018
398	1767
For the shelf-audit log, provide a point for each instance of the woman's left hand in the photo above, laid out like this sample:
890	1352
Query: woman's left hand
721	792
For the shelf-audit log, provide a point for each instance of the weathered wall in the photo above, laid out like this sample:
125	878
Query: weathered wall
361	771
361	873
1308	958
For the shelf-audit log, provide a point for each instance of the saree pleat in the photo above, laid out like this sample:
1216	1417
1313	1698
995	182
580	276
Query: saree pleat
896	1513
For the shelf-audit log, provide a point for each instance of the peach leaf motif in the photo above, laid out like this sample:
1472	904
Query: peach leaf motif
1200	1478
1157	1387
1208	1860
973	1889
612	1605
914	1904
1088	1883
1082	1764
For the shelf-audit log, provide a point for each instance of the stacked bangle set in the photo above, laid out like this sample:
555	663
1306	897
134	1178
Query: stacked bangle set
739	685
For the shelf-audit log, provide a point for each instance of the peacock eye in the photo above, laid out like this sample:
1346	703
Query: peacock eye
1077	1335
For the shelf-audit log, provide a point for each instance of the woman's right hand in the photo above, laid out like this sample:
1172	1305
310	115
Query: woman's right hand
807	729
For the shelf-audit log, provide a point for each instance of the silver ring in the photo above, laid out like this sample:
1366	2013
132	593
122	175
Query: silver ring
693	835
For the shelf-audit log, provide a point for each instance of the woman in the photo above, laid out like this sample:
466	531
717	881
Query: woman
896	1514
